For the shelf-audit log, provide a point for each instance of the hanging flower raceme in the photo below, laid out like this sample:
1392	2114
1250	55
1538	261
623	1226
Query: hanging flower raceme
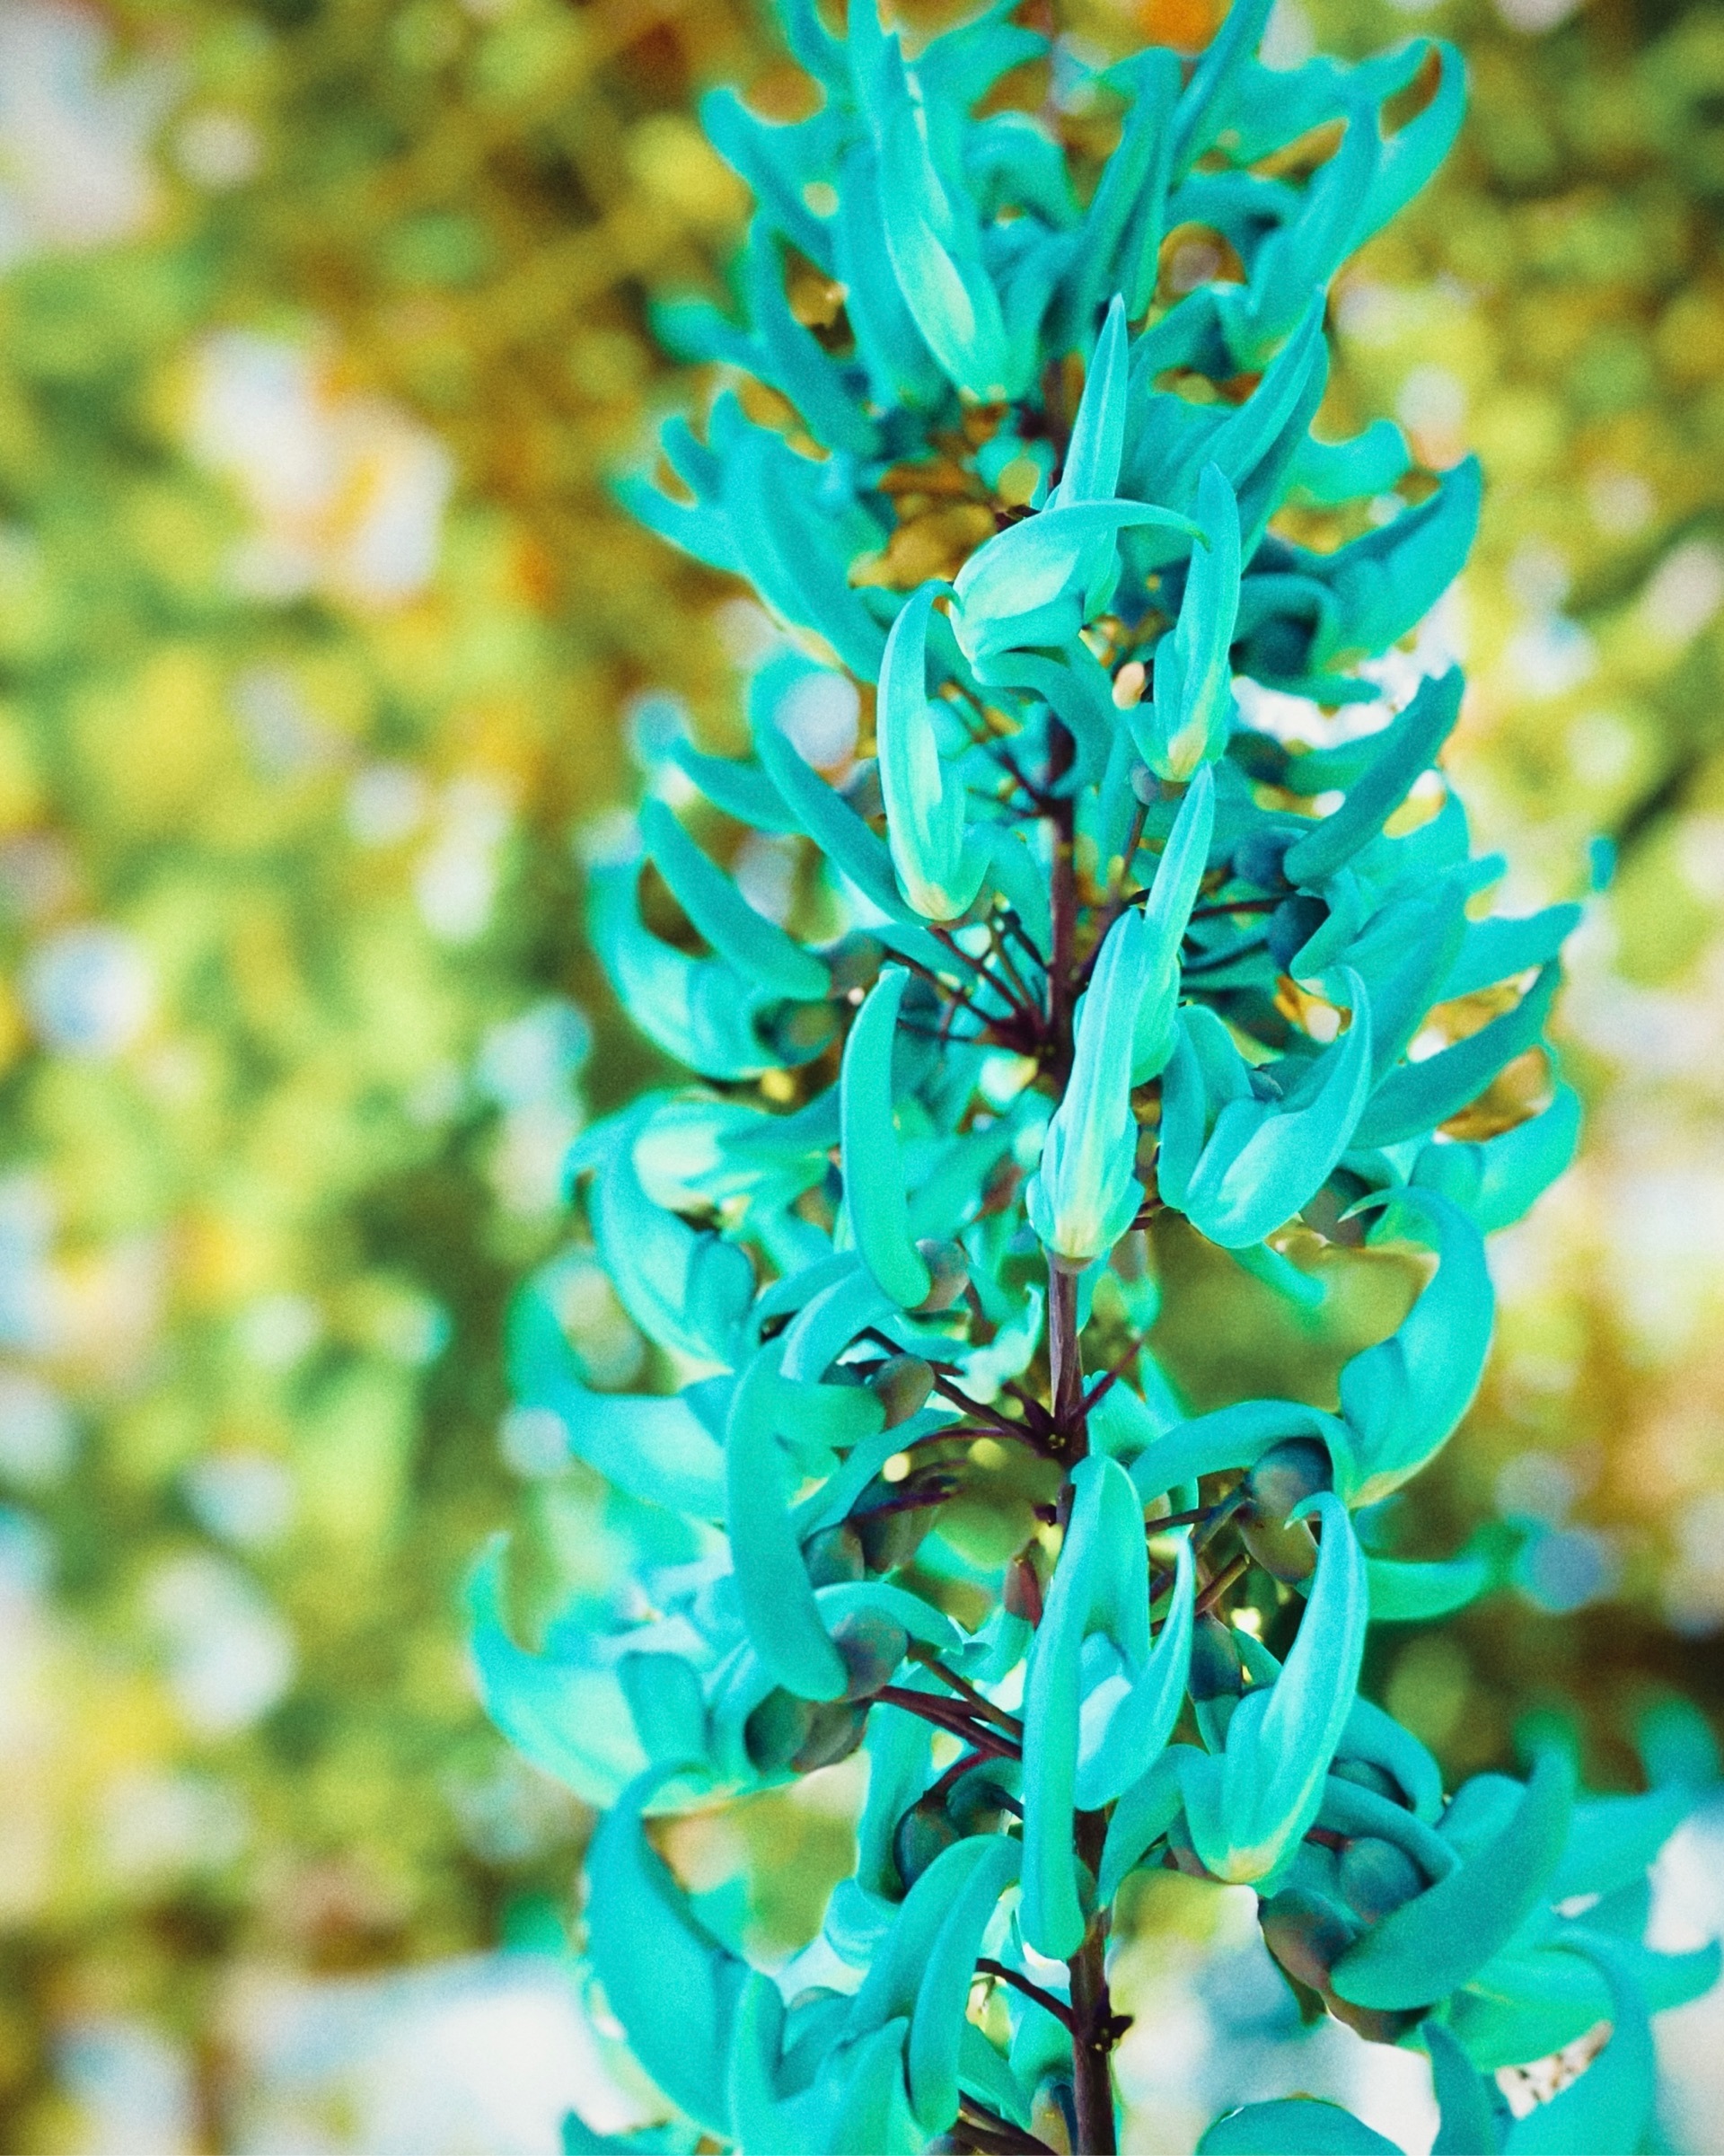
1079	958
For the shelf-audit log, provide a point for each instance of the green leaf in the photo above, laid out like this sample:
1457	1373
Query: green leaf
1436	1942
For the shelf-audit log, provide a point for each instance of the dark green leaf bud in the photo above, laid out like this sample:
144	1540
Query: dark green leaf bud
1365	1773
1288	1551
1291	927
1285	1475
949	1269
785	1732
1216	1672
1023	1594
975	1801
891	1538
799	1031
923	1832
1307	1935
835	1731
775	1730
856	962
1375	2024
863	791
1376	1877
1258	857
1323	1213
1145	785
834	1556
871	1646
901	1385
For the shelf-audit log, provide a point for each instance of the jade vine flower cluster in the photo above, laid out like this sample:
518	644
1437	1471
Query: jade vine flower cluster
1085	943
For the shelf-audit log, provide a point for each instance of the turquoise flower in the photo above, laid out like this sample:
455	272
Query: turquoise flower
1074	945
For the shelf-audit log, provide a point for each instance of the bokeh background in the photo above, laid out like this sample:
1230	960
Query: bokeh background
325	659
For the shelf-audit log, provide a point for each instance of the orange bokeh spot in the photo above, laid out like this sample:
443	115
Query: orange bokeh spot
1187	25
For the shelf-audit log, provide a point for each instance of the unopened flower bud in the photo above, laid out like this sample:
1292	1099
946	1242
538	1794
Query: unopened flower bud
775	1730
920	1836
1287	1552
834	1556
834	1732
901	1385
862	790
1365	1773
871	1646
1257	858
948	1268
892	1530
1306	1935
1376	1877
856	962
1285	1475
1216	1671
1023	1589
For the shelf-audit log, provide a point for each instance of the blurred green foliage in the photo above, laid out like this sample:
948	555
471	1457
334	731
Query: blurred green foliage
290	911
